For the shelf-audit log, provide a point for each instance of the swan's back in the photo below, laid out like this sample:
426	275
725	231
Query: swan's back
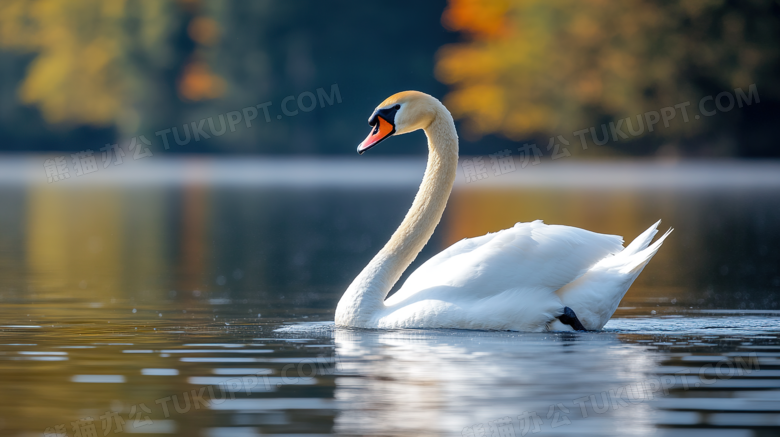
532	257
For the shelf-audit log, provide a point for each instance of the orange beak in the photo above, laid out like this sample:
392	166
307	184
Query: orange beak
382	129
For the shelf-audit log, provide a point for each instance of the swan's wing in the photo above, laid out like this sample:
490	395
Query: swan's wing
529	256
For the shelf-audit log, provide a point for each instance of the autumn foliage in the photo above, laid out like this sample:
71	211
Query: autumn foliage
552	67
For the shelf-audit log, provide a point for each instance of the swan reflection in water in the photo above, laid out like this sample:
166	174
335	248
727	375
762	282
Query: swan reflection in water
453	382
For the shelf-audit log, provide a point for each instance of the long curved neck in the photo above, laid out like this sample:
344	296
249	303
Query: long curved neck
367	292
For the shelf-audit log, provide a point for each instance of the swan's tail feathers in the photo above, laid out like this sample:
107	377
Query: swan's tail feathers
642	241
596	295
636	261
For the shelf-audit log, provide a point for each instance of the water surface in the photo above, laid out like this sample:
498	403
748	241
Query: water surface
196	298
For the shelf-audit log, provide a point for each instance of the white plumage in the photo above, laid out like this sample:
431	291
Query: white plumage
520	278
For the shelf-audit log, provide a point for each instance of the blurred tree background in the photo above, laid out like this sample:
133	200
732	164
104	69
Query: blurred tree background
534	67
78	74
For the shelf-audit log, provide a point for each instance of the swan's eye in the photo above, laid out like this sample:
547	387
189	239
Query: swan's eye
396	107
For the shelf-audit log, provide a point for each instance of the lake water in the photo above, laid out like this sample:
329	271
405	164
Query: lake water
196	298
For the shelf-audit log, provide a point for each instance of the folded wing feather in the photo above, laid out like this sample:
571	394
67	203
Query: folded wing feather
532	256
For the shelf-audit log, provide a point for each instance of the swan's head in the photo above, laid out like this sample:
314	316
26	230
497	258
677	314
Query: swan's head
401	113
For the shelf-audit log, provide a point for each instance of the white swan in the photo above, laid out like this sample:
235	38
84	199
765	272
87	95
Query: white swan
531	277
